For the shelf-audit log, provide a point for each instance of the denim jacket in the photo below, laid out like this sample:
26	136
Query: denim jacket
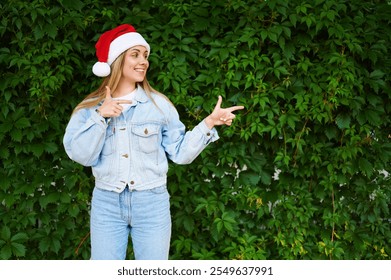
132	149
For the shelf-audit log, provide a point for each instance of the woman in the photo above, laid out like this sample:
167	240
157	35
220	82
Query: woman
126	131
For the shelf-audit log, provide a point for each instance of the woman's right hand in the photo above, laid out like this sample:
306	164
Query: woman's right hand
110	107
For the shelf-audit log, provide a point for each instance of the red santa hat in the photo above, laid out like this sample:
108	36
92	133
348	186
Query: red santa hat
114	42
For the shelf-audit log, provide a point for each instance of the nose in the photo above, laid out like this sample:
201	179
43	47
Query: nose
143	59
143	62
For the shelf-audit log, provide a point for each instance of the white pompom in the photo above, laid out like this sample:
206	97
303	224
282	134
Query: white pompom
101	69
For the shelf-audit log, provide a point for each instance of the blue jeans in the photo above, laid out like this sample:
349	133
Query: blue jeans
145	215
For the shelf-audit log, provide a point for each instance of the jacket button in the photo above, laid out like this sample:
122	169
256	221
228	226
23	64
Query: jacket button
125	155
132	182
208	134
146	131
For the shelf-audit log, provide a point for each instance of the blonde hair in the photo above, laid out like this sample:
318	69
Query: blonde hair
112	81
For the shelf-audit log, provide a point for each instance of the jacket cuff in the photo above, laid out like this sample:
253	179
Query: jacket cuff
209	135
99	119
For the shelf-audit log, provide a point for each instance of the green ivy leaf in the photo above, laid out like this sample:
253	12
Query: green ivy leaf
5	233
343	121
18	250
6	252
20	237
365	166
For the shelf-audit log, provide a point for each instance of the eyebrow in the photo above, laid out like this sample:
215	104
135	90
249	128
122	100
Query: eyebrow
136	49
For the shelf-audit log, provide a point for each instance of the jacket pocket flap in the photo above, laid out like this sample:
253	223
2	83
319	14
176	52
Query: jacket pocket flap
146	130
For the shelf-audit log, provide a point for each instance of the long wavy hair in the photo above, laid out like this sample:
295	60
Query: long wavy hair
112	81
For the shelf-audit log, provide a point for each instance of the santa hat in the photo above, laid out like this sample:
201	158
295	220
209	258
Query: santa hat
114	42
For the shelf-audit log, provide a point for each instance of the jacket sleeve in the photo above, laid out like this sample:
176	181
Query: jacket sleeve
183	147
84	137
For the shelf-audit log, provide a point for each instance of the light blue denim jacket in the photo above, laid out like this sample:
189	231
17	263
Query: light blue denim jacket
132	149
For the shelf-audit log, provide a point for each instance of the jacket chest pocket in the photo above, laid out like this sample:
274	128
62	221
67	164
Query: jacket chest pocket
146	137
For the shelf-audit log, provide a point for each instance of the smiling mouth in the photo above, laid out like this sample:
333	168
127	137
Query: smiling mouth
139	70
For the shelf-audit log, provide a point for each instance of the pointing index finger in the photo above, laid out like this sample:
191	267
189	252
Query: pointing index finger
123	101
234	108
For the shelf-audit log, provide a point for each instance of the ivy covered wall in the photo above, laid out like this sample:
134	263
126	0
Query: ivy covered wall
301	174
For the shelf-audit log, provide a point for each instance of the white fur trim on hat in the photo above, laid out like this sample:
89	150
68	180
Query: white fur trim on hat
124	42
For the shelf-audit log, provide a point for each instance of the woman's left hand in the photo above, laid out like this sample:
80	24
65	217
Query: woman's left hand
221	116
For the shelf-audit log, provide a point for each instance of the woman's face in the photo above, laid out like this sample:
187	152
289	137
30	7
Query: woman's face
135	64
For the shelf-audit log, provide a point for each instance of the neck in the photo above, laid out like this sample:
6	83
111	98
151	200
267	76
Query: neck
124	89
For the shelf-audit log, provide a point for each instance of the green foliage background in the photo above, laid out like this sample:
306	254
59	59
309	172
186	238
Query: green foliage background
314	77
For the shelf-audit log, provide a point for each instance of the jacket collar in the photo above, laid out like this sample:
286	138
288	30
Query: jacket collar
141	96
